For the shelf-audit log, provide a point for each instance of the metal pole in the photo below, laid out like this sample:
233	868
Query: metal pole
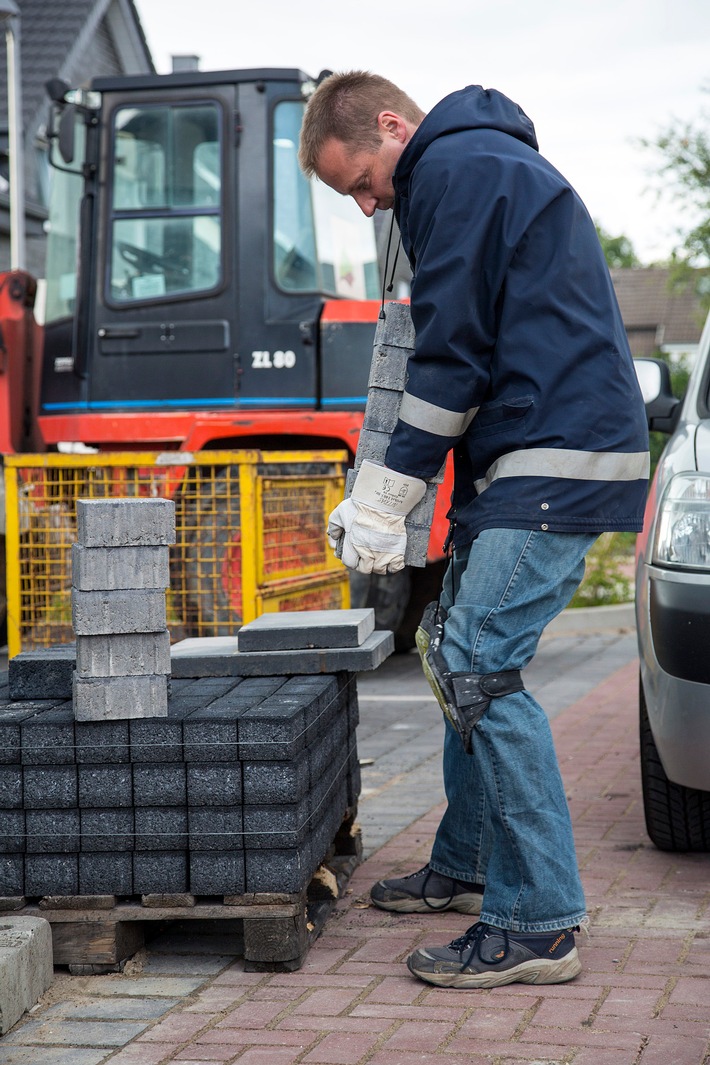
17	168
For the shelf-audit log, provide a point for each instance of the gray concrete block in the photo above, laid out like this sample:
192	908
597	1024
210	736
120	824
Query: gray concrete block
217	656
298	629
11	718
210	738
372	445
354	777
12	831
388	368
43	673
109	698
125	522
12	874
51	787
214	785
48	737
282	869
396	328
382	410
105	786
277	825
109	830
161	828
99	613
276	782
273	731
51	874
101	742
106	874
158	740
26	966
216	828
159	872
217	873
52	831
112	568
124	654
159	784
11	790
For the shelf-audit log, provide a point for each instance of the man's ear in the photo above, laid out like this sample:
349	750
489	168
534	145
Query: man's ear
391	124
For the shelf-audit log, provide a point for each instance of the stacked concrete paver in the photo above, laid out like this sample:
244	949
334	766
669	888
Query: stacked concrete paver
120	574
394	344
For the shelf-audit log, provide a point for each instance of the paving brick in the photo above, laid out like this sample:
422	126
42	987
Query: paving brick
284	869
276	782
214	785
306	628
12	831
123	654
101	742
51	874
382	409
107	829
217	873
216	828
156	740
12	875
159	784
50	787
106	874
48	737
113	568
107	698
161	828
42	673
11	718
97	613
125	522
52	831
11	790
105	786
160	872
210	735
275	730
388	367
273	826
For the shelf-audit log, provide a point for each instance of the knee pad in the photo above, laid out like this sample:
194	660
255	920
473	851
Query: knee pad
463	697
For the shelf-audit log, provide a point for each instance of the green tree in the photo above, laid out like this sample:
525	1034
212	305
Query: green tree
618	251
684	151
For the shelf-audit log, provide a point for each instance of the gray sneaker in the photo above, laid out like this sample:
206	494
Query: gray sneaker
485	956
425	891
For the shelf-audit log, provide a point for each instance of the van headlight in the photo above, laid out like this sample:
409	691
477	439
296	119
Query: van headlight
683	527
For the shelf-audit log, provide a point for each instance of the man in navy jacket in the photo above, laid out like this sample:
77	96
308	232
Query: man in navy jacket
521	368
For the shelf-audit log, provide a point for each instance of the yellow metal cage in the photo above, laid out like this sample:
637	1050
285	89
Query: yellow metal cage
250	535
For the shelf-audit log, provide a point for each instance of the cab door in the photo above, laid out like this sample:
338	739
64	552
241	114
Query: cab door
163	325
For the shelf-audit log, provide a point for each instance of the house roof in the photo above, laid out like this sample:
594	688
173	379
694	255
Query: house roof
650	303
57	39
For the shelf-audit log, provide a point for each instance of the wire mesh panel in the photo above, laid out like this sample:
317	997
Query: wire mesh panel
250	535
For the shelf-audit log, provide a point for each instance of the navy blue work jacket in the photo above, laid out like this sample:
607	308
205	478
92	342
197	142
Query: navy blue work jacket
521	363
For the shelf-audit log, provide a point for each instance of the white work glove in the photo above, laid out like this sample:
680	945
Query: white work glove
367	529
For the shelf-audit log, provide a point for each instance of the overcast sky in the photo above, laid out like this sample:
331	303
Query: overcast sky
593	77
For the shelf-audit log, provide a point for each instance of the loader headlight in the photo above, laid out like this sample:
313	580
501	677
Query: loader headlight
683	527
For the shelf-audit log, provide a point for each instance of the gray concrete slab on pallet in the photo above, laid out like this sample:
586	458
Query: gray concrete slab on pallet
26	966
299	629
218	656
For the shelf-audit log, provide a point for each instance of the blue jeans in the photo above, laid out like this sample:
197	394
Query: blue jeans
507	823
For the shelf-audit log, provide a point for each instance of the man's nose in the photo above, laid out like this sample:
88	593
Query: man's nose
366	203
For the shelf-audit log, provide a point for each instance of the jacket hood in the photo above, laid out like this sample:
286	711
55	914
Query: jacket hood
471	108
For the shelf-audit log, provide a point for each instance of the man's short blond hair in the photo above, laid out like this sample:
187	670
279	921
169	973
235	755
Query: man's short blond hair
345	107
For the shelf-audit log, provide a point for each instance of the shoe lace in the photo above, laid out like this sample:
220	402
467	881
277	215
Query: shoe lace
469	944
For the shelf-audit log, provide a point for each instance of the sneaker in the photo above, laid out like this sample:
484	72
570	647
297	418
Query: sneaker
427	890
485	956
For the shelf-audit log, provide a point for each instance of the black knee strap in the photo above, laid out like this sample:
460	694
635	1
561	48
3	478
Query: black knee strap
464	697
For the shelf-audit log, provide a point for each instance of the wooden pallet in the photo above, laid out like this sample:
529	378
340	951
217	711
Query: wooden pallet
98	933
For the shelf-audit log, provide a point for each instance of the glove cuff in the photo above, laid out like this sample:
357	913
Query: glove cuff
386	490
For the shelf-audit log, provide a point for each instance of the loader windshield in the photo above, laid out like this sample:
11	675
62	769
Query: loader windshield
322	241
